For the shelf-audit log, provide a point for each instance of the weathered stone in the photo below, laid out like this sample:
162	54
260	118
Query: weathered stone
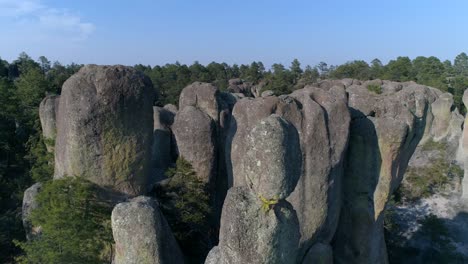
251	235
442	111
172	108
319	254
203	96
464	150
274	144
195	134
142	234
105	128
322	120
30	204
267	93
384	133
240	87
48	116
163	143
324	129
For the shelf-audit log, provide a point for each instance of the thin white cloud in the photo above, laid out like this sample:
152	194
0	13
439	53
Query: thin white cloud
49	21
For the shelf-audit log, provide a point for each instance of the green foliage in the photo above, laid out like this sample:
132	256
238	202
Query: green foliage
420	182
42	161
424	181
185	203
375	88
75	225
434	145
355	69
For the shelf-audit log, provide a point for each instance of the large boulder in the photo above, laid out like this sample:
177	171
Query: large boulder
200	131
273	143
142	234
322	119
30	204
240	87
384	133
203	96
195	134
48	116
105	128
257	224
249	234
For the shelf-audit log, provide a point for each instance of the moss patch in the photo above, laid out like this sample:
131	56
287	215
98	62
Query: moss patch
375	88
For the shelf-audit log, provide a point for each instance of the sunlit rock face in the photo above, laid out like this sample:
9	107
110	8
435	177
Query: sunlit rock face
463	152
142	234
257	224
105	128
321	118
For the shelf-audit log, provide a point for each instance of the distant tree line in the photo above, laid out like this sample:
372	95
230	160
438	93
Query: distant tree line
24	82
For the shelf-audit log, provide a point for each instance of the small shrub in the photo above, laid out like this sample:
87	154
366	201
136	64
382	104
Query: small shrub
75	225
42	161
375	88
185	203
421	182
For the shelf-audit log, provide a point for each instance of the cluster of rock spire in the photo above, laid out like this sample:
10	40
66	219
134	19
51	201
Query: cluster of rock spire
298	178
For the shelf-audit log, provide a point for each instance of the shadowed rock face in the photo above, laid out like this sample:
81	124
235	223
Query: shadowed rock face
48	116
384	133
251	232
163	151
105	128
195	134
200	129
30	204
142	235
322	119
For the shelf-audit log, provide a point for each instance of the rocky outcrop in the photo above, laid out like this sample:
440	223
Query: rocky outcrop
142	235
105	128
385	130
463	152
30	204
257	224
322	119
48	116
200	129
239	86
195	134
163	150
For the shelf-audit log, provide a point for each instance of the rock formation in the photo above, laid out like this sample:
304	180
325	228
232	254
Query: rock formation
200	129
257	224
142	235
48	116
310	172
464	151
322	119
386	127
30	204
105	128
163	151
240	87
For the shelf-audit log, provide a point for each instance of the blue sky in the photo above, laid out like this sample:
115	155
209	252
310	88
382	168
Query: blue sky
159	32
